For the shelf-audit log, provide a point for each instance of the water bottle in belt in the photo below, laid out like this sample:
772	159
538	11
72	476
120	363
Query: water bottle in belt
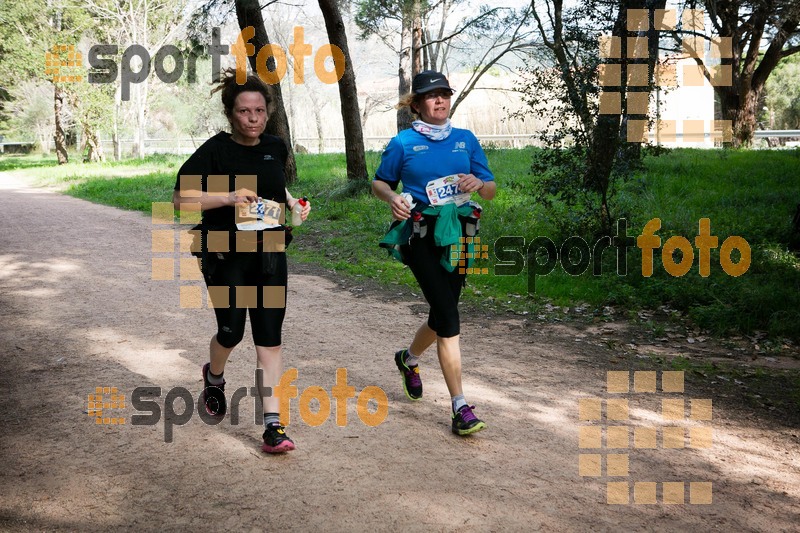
474	221
420	225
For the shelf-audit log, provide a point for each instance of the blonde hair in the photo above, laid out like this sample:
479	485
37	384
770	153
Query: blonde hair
410	101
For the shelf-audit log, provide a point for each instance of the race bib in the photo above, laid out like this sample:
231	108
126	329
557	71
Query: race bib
445	190
263	214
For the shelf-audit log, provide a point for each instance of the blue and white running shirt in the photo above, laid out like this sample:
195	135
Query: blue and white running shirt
414	160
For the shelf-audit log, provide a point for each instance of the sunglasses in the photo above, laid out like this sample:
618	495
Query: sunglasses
446	95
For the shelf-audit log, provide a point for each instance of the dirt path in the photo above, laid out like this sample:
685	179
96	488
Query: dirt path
79	310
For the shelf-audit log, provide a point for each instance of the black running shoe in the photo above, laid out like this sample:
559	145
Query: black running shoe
465	422
276	440
412	383
213	396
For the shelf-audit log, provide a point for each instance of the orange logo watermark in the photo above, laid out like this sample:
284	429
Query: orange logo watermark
629	68
617	429
167	245
62	62
467	250
96	403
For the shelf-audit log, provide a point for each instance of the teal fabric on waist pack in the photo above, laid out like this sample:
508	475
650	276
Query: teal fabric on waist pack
447	233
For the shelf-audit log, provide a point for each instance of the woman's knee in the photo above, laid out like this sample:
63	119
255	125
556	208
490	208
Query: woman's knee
228	338
269	338
445	324
449	330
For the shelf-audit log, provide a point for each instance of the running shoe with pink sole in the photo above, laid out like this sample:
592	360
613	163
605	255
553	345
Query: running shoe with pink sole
276	440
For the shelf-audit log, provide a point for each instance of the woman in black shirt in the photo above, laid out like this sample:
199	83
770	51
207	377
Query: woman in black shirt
237	180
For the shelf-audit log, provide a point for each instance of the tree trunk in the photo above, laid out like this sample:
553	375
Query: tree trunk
605	137
369	105
738	105
600	161
416	39
94	150
317	108
739	102
115	131
141	118
320	133
348	94
248	13
404	117
292	114
751	65
576	97
59	95
630	152
744	118
59	138
42	139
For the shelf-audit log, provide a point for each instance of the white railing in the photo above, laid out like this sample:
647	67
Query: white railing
763	134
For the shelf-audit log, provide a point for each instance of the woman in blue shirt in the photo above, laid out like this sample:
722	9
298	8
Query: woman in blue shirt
419	157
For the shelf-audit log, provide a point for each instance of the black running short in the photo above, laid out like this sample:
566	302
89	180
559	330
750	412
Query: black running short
441	288
254	283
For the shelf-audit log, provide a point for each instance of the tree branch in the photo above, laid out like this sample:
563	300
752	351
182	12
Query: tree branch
543	33
464	28
774	52
789	51
510	45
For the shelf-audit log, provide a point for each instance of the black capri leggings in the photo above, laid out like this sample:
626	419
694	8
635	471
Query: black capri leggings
246	272
441	288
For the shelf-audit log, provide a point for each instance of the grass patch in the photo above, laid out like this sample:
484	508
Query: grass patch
21	162
135	194
45	170
751	194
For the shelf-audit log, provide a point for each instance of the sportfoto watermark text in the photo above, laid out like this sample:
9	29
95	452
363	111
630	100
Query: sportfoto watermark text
104	67
575	254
